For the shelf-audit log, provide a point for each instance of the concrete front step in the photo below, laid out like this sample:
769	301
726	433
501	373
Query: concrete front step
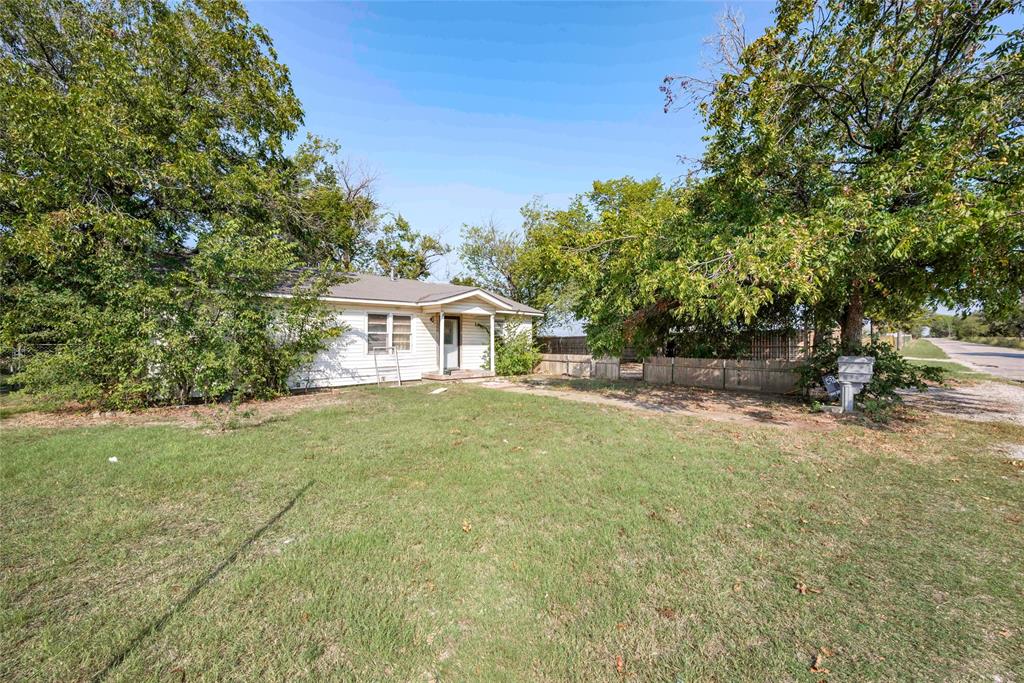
455	375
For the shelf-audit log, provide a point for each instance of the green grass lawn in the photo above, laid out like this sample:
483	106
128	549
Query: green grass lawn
480	535
922	348
955	370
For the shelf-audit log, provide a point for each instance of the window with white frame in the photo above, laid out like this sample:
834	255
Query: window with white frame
385	331
376	331
401	332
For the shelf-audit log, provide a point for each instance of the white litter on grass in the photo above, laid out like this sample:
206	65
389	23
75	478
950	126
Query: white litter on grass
439	391
1014	450
112	459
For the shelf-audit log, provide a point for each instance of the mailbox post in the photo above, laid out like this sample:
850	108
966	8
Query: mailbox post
854	373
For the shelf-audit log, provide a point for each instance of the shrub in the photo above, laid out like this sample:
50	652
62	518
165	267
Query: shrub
515	353
891	372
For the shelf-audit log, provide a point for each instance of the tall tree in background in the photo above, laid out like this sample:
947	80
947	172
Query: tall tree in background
491	258
865	158
332	214
598	260
143	188
401	251
329	207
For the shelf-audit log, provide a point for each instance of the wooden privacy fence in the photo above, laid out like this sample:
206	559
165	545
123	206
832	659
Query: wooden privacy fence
578	365
576	346
766	376
563	345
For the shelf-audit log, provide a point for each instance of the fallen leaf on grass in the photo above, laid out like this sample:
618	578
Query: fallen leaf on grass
737	587
816	665
466	526
666	612
804	589
620	664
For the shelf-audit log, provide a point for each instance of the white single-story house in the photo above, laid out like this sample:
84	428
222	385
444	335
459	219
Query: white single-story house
422	330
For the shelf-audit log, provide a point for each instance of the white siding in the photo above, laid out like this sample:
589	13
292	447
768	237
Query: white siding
517	322
476	339
346	360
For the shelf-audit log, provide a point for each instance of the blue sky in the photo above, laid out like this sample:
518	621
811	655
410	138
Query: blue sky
467	110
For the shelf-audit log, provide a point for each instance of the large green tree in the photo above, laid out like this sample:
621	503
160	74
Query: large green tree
492	259
398	250
142	180
864	157
331	211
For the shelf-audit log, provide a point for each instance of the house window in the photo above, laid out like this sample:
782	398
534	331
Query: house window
401	332
377	331
388	331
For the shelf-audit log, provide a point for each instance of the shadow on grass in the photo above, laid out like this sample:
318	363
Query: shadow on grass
766	408
155	626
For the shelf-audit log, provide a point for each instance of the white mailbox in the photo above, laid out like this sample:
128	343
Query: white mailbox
854	373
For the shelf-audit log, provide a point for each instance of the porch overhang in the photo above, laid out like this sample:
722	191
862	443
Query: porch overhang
460	310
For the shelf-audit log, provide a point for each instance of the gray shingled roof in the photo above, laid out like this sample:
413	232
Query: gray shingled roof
399	290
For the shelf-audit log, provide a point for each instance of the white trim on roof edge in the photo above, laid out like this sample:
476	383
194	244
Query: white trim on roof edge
482	293
412	304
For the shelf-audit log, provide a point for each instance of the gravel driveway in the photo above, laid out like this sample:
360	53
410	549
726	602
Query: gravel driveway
983	402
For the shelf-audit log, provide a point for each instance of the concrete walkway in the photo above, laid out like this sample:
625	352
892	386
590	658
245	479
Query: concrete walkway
995	360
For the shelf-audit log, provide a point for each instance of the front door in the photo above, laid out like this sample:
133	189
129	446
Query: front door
451	343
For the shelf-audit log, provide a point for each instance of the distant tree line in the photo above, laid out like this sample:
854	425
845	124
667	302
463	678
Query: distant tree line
969	326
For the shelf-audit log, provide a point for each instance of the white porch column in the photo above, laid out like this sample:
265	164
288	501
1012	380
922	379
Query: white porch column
492	342
440	343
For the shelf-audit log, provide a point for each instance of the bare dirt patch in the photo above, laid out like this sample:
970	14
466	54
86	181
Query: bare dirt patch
725	406
979	402
201	416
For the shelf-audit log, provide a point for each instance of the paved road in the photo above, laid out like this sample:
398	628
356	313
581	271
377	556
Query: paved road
995	360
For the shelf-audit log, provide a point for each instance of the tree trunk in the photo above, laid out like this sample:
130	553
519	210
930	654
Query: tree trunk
852	324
